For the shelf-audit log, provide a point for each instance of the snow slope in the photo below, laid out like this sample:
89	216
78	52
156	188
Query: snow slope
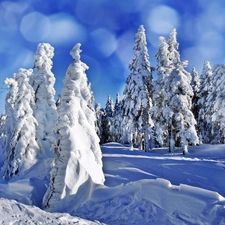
204	167
13	212
140	188
160	188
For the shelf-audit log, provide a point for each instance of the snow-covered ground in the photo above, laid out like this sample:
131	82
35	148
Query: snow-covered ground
140	188
14	213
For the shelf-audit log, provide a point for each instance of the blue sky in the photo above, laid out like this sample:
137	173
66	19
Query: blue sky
106	30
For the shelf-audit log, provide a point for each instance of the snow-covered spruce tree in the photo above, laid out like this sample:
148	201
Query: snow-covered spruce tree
43	84
109	107
204	124
164	69
195	84
23	150
177	110
116	128
216	104
137	102
107	120
178	101
8	125
76	144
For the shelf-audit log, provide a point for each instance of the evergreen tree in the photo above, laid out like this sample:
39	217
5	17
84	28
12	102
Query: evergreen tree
116	128
177	109
137	100
23	150
204	124
8	121
216	104
195	84
76	144
163	68
109	108
43	83
107	120
178	101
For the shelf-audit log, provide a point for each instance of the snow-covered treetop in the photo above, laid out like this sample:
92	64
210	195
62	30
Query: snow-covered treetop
172	41
117	103
75	52
174	55
43	56
206	78
195	82
109	108
44	77
206	68
140	61
163	62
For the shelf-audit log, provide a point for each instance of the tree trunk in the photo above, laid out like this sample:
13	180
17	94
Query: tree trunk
185	149
146	140
131	142
171	140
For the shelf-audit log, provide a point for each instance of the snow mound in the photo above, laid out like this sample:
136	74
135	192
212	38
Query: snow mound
12	212
154	202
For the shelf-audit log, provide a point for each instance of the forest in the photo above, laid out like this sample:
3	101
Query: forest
178	109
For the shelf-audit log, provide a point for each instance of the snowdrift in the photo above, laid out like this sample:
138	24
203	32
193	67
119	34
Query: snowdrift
140	188
154	202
